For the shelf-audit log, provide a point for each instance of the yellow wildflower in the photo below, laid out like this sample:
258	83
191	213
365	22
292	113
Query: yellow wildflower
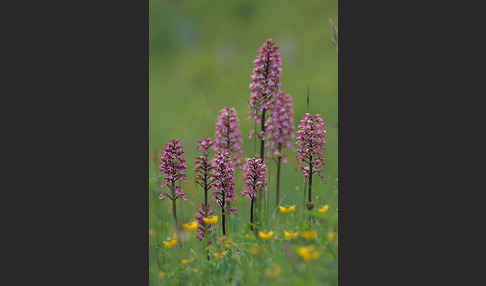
273	272
265	236
256	249
211	220
248	236
170	243
287	210
161	274
186	261
308	253
190	226
290	235
218	254
330	236
324	209
309	234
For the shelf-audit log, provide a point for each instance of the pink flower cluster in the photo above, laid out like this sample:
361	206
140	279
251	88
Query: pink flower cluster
223	181
173	166
265	80
228	136
203	166
280	124
311	139
254	177
201	227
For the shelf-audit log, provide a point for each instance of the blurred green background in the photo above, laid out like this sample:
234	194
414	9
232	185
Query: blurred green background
201	58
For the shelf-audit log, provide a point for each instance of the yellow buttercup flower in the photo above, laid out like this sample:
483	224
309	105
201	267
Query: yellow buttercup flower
190	226
218	254
170	243
211	220
330	236
273	272
290	235
323	209
312	234
308	253
265	236
186	261
287	209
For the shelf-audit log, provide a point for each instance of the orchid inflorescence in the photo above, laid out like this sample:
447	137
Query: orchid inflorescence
265	80
311	140
227	135
223	185
255	179
173	165
203	170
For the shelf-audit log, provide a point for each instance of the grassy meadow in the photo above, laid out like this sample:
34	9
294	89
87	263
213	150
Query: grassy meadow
201	59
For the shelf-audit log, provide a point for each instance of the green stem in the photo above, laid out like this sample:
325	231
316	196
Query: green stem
174	212
251	213
278	181
223	217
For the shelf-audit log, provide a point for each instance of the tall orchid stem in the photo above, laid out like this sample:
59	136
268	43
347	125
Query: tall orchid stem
223	217
262	156
258	214
279	161
310	206
251	213
206	210
206	191
174	211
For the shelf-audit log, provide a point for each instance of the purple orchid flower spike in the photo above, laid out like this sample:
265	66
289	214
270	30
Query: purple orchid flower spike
228	136
265	80
202	228
223	184
255	180
311	139
203	170
173	170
